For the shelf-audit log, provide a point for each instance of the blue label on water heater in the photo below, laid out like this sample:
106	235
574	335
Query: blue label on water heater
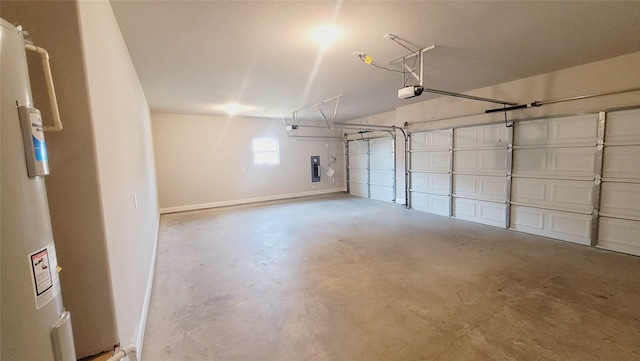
40	150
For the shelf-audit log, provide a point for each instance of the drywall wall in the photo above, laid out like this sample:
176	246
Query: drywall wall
124	154
608	75
72	187
207	161
101	168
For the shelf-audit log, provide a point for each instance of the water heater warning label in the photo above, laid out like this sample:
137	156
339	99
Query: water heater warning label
46	284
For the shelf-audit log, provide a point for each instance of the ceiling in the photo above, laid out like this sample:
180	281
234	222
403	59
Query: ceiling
193	56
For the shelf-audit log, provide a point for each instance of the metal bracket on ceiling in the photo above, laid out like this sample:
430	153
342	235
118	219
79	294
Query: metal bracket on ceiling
415	56
335	109
418	56
295	120
332	124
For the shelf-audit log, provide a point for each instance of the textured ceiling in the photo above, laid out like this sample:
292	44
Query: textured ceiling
194	55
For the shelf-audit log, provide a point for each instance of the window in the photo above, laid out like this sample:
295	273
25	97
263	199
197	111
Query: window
265	151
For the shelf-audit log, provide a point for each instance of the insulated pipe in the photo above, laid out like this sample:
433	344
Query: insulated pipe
55	112
124	352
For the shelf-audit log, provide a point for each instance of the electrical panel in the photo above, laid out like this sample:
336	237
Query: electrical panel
315	168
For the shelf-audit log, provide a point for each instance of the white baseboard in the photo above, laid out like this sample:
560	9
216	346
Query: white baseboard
249	200
147	296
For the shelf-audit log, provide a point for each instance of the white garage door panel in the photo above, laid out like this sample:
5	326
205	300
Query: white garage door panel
381	177
430	203
358	161
555	162
619	235
380	145
493	214
558	131
621	162
480	187
431	161
358	175
619	221
571	227
359	190
358	147
381	193
553	169
371	169
430	183
381	160
623	126
481	162
620	199
431	140
553	193
481	137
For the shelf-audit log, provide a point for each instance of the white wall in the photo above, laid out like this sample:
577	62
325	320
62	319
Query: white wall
98	162
124	154
608	75
207	161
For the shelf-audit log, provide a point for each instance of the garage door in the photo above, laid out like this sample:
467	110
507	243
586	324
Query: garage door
430	171
382	169
619	221
372	168
554	173
358	170
572	178
480	167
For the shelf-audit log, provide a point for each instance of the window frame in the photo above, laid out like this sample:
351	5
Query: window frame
267	147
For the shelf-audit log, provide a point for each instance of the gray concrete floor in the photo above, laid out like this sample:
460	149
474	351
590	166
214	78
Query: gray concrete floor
343	278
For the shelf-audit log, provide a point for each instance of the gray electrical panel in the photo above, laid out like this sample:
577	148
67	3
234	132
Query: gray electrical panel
315	168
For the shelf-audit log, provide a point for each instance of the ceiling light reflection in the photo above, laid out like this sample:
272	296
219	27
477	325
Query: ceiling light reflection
325	36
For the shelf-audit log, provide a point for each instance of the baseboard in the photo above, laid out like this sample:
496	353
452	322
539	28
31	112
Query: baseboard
147	296
236	202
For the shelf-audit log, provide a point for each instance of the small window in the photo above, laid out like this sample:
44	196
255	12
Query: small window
265	151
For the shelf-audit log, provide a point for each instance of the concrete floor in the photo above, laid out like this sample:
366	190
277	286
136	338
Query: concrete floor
343	278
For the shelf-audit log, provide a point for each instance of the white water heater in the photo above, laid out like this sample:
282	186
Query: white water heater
34	324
